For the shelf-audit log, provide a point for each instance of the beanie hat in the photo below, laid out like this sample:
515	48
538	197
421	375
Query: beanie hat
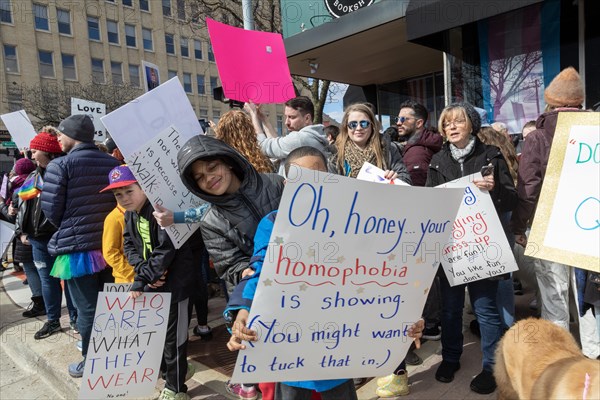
566	89
471	113
24	166
118	177
79	127
45	141
110	145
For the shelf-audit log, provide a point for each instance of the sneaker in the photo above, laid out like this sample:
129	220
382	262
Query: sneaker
168	394
35	309
434	333
191	370
396	386
48	329
446	370
412	358
242	392
73	325
204	332
76	369
484	383
79	345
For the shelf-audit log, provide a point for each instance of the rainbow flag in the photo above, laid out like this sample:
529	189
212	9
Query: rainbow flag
32	187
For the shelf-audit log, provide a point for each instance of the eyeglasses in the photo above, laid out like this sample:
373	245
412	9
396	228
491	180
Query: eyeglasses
456	122
401	120
363	124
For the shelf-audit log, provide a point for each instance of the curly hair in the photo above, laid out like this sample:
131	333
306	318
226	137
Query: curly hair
50	129
489	135
235	128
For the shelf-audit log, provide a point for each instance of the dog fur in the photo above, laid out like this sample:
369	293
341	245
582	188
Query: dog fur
537	359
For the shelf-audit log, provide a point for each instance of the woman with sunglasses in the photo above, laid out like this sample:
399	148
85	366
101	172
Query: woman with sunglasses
359	141
464	154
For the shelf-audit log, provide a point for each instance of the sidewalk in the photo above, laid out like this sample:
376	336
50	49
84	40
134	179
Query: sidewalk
48	358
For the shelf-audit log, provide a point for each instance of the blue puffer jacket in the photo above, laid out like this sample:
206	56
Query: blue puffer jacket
71	200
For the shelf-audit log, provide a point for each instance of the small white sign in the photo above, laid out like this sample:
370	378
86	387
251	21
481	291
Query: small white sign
20	127
126	346
93	110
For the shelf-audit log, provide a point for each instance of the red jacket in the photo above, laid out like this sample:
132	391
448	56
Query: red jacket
532	168
417	155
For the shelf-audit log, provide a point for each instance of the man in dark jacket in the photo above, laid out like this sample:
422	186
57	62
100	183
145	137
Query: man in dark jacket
71	202
564	94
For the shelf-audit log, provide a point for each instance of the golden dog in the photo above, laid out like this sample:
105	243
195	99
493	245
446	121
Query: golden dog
537	359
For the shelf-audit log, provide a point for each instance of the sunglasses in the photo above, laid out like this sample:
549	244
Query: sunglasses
401	120
363	124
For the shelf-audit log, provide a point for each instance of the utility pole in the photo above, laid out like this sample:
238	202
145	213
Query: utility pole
247	14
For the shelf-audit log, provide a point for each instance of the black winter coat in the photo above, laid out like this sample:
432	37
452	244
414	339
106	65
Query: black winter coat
229	225
72	202
22	252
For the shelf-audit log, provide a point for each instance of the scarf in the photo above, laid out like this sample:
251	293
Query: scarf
355	157
461	154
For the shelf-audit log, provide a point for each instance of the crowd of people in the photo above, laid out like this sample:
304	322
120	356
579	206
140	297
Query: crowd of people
81	217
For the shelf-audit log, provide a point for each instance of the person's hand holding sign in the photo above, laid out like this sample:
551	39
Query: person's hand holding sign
416	331
240	332
163	216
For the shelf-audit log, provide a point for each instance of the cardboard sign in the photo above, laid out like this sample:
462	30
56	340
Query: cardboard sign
142	119
265	77
478	247
20	127
371	173
345	275
4	186
117	287
155	168
151	75
93	110
6	234
126	346
566	227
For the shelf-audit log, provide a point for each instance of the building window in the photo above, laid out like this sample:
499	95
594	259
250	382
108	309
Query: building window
113	32
5	11
116	72
181	9
41	17
203	113
68	64
97	70
134	75
46	64
216	116
172	74
11	63
200	84
279	125
130	36
170	43
64	21
93	28
211	55
128	3
144	5
187	82
185	50
147	38
213	82
166	6
198	49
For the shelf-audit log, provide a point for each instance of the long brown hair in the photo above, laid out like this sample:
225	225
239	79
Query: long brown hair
489	135
235	128
374	140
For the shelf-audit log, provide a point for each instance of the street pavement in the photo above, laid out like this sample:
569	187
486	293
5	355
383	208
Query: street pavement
37	369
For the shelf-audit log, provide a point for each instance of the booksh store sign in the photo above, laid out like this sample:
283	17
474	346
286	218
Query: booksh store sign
339	8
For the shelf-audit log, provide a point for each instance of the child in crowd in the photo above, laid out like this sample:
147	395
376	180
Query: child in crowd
241	300
159	267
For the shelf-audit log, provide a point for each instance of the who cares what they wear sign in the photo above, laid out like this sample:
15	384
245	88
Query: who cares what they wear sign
346	272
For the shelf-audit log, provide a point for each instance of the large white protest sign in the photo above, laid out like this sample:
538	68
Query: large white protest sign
126	346
478	247
155	168
93	110
371	173
143	118
566	227
6	234
20	127
116	287
345	274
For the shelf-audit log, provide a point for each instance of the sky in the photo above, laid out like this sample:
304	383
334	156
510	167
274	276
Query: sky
334	107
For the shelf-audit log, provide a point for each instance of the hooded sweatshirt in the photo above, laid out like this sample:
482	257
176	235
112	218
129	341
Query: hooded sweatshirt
228	222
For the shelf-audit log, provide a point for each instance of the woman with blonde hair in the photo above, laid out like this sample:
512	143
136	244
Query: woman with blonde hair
359	141
235	128
491	136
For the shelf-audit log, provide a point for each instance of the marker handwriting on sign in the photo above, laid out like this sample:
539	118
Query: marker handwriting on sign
586	214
